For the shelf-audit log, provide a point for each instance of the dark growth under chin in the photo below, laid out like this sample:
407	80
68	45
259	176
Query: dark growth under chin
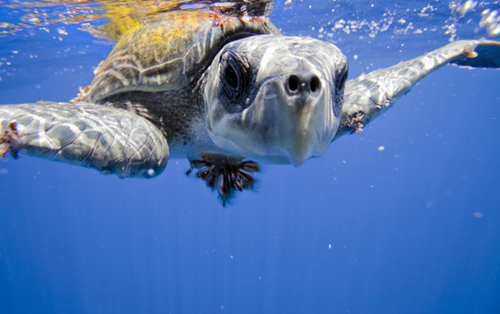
226	175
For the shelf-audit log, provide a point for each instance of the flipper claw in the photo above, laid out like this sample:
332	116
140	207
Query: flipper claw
469	52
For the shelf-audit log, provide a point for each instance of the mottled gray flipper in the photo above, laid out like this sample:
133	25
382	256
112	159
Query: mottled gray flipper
371	94
108	139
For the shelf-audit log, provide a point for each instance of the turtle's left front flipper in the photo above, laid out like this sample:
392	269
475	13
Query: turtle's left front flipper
108	139
369	95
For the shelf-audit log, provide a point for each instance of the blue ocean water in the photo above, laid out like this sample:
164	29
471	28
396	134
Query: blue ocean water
412	228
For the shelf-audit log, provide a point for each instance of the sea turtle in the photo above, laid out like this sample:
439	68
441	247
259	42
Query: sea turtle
222	88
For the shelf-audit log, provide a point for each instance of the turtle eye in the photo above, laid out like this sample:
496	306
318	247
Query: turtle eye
231	77
235	78
342	79
339	90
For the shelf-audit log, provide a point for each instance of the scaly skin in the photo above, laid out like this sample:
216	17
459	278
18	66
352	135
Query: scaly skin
369	95
110	140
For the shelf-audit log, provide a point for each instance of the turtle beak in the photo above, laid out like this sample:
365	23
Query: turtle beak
304	122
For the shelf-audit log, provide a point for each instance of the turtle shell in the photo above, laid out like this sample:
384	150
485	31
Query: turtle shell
170	52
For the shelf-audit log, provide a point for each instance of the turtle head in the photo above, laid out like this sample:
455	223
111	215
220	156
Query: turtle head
275	98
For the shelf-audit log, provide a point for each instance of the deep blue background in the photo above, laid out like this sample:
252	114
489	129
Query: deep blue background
412	229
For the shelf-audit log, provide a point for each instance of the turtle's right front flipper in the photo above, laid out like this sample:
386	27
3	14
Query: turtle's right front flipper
108	139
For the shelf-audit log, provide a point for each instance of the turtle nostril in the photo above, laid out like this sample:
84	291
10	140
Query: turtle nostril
303	84
293	83
315	84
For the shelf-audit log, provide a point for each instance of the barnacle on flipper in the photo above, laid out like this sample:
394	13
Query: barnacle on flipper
225	174
356	123
8	139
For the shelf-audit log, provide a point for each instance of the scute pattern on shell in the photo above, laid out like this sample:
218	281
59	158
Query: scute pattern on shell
170	52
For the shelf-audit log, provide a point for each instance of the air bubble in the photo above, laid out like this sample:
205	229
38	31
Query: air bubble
151	172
